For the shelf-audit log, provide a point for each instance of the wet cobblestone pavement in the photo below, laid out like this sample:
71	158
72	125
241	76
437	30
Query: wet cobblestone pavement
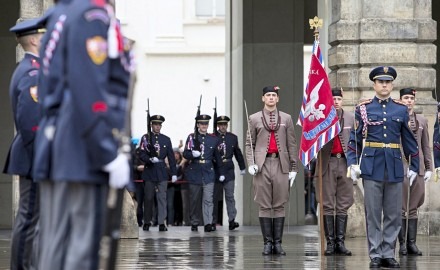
179	248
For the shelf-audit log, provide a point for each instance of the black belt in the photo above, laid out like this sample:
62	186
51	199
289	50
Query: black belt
338	155
273	155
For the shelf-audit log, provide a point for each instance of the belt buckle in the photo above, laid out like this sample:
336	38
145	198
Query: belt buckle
273	155
338	155
201	161
387	145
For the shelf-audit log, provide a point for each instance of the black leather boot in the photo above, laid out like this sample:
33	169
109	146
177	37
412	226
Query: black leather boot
329	231
233	225
278	228
267	231
341	226
402	250
412	235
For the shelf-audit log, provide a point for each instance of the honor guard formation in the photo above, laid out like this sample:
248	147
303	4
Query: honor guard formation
70	155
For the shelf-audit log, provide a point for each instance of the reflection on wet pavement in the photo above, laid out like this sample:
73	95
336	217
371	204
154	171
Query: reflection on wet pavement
179	248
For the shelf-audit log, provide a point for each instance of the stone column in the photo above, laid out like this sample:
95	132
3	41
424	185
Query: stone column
399	33
264	46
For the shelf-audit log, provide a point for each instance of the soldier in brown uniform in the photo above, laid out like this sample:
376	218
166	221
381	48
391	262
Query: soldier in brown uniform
419	125
337	187
271	154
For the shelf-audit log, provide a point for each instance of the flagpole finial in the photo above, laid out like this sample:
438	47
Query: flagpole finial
315	23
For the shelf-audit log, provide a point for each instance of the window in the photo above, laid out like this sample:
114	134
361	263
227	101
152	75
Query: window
210	8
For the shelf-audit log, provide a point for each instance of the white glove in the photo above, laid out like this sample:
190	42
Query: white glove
174	178
242	172
355	172
196	153
154	160
427	176
437	173
119	171
292	176
253	169
411	176
221	178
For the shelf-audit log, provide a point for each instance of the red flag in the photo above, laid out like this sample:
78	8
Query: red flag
318	115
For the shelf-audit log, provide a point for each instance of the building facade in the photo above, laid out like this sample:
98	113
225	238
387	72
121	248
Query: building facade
230	49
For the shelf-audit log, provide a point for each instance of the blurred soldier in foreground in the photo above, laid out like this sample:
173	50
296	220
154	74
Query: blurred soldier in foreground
83	83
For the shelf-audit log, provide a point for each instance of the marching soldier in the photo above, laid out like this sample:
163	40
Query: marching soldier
383	123
83	85
271	155
228	148
24	101
155	174
436	144
200	171
337	187
419	126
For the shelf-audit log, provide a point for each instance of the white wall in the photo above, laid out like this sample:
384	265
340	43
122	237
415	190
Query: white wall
179	57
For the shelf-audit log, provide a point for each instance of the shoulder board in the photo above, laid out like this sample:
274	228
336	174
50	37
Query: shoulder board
33	72
212	135
398	102
368	101
95	14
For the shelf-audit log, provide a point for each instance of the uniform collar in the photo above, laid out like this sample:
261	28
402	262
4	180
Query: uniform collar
266	111
385	100
31	54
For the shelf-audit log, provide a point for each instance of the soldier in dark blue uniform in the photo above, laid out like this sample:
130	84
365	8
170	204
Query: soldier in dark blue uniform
138	168
23	94
383	123
200	172
228	149
84	77
436	145
155	174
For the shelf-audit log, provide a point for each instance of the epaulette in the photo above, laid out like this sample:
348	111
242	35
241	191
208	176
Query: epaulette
398	101
97	14
368	101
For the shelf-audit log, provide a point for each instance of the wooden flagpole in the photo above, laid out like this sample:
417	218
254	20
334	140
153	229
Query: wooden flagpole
316	23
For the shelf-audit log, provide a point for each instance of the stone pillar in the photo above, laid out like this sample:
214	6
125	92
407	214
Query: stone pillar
399	33
265	41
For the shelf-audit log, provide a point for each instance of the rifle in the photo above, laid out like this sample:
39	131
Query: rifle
196	143
214	128
108	246
149	146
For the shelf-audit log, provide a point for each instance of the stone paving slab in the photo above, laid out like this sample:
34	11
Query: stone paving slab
179	248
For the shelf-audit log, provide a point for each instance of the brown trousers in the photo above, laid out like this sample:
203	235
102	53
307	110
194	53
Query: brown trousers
337	188
271	189
416	196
